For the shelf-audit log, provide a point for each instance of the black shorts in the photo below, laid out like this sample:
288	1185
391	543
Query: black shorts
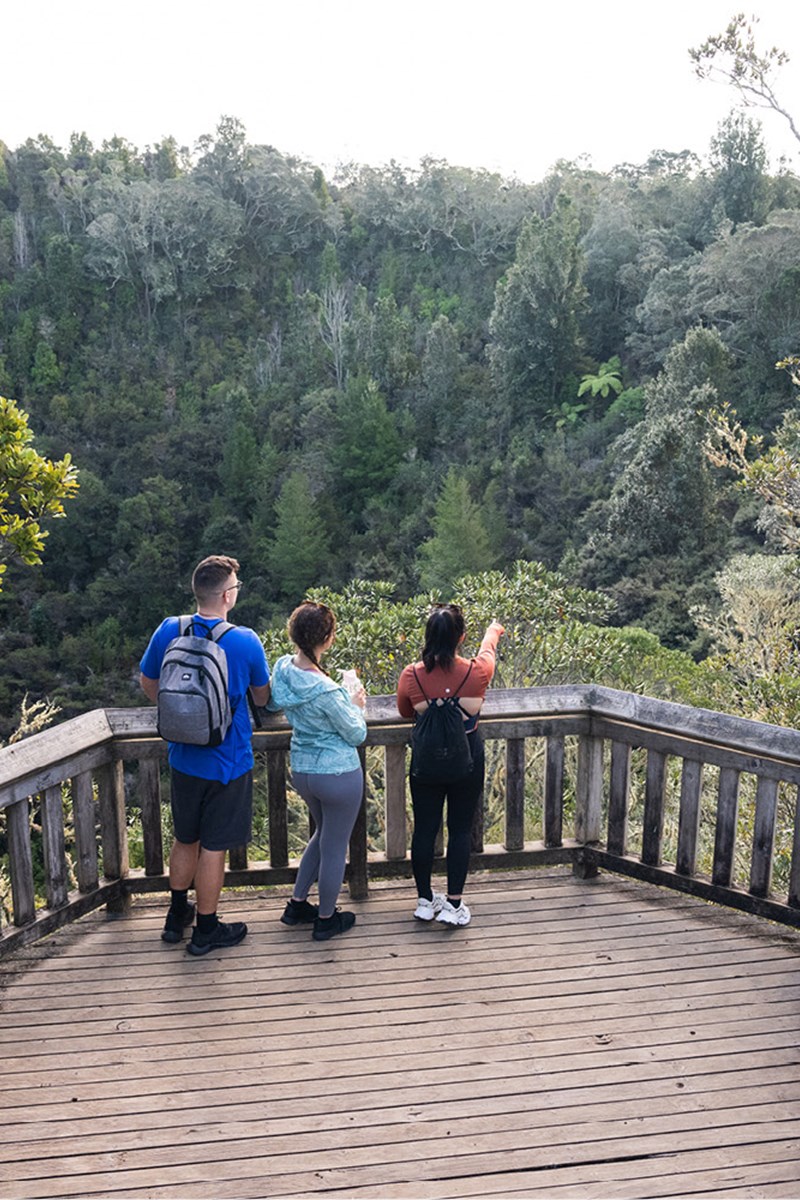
217	815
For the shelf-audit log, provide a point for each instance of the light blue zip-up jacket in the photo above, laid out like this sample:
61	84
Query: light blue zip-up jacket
326	724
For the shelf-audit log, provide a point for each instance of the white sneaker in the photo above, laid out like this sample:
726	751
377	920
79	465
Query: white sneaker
454	916
426	910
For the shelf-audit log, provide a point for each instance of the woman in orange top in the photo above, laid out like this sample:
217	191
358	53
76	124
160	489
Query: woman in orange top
442	674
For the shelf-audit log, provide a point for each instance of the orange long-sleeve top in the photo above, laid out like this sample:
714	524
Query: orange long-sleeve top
440	682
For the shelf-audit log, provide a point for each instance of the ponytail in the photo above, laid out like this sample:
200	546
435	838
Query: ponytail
309	626
443	632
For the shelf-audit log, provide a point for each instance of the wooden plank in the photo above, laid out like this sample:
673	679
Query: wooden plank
635	1076
20	862
276	803
589	790
150	805
49	757
673	745
772	909
47	921
689	816
237	858
618	798
725	835
395	802
84	820
113	826
72	1124
357	877
654	805
690	1173
554	791
346	1168
659	1061
478	825
763	836
392	986
54	847
308	1150
515	794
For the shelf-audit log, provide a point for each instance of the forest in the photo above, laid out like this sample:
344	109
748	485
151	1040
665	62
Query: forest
388	381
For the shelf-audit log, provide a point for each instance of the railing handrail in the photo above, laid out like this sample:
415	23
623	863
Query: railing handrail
27	766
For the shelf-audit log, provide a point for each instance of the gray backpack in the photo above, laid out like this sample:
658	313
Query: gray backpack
193	702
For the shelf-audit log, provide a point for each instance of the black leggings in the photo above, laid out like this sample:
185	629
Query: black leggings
428	802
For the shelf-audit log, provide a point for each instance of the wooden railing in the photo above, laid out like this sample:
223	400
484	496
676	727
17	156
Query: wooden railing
615	768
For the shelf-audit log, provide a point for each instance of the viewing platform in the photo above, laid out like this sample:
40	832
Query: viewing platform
588	1034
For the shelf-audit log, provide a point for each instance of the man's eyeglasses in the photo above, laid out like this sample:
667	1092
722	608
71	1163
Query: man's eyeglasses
234	587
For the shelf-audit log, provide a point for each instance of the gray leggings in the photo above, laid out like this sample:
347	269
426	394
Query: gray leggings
334	802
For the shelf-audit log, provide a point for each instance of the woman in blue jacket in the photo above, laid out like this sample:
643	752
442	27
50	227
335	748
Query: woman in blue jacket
327	725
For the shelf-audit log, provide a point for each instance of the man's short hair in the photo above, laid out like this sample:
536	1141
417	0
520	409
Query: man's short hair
211	575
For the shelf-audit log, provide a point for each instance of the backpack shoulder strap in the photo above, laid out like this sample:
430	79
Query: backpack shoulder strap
220	629
419	685
184	625
463	681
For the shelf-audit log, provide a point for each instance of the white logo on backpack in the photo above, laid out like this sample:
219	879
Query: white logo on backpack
193	702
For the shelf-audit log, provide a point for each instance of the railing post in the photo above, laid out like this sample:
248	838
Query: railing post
84	820
113	830
654	802
515	794
357	874
588	799
479	823
53	847
20	862
394	774
763	836
618	798
554	791
150	805
689	816
237	858
725	835
276	802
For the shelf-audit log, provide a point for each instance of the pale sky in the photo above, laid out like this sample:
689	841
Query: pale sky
508	85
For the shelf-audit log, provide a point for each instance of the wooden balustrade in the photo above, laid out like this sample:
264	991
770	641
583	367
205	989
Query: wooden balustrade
603	753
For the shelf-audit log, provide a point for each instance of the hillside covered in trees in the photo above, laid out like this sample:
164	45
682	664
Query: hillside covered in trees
389	375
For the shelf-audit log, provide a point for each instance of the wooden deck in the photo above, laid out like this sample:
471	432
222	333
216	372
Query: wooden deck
598	1039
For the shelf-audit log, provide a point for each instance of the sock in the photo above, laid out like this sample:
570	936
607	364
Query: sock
180	900
207	922
298	903
455	903
426	894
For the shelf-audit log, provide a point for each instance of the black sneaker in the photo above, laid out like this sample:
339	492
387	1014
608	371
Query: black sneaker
221	937
328	927
299	912
176	923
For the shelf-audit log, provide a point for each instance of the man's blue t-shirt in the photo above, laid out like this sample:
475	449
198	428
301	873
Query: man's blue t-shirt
247	667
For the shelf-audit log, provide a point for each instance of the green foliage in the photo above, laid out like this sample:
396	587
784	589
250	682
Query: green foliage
32	488
366	452
297	553
460	542
534	324
203	333
553	635
605	381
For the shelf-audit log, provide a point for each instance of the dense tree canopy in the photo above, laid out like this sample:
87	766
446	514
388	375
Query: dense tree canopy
387	374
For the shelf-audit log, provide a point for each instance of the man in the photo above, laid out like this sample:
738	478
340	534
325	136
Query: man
211	786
